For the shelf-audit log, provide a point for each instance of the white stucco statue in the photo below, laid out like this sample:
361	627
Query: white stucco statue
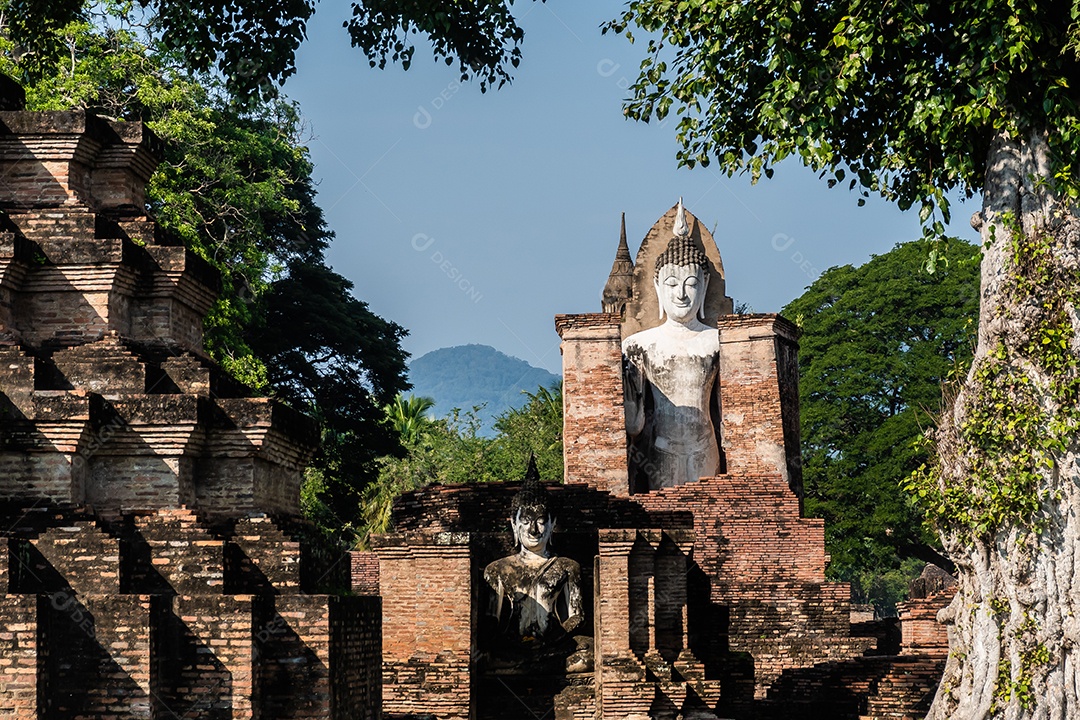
536	595
672	399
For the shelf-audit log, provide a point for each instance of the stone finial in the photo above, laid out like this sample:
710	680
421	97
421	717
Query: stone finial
619	287
681	229
12	95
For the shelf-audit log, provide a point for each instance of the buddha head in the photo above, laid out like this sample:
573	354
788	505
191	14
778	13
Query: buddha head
681	279
530	515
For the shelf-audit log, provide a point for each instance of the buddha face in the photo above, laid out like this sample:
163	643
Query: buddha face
532	528
681	291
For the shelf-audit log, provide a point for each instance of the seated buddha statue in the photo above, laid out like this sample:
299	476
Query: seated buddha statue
535	594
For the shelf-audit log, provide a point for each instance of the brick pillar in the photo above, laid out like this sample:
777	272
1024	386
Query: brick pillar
620	675
428	621
365	572
295	663
920	630
759	396
594	422
214	661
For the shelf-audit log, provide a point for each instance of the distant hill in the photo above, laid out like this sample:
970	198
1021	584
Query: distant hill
468	375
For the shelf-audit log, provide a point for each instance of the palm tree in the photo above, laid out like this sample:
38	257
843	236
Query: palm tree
407	415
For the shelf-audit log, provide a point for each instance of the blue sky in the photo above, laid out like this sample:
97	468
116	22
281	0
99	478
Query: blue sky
475	218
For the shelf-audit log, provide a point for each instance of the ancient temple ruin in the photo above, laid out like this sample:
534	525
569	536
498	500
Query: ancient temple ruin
157	567
704	598
154	566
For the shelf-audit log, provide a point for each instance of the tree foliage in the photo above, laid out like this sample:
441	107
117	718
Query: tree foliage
901	100
236	186
253	44
877	343
408	416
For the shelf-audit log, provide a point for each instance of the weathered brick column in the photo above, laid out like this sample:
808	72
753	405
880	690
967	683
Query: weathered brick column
428	621
19	648
594	422
620	617
641	633
920	630
759	396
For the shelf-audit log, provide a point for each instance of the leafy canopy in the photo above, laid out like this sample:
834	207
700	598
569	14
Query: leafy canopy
898	99
877	343
253	43
452	451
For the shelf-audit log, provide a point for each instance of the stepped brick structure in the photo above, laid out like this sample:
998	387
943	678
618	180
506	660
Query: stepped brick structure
154	563
703	600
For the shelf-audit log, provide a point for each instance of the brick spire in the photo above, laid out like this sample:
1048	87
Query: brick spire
618	289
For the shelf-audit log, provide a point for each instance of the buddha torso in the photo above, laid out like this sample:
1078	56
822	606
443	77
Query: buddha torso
533	600
679	366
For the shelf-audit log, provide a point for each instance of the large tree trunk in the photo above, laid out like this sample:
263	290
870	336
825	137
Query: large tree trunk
1009	502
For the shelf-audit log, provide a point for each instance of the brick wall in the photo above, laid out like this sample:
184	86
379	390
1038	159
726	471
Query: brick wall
761	564
356	658
19	650
594	420
759	396
208	656
749	529
365	573
920	630
428	621
293	647
764	567
169	552
94	658
153	562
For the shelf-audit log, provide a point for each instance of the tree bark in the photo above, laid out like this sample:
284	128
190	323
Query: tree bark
1014	624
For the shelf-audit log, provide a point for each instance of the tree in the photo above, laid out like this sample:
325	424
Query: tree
911	101
450	451
408	416
236	186
533	429
253	44
877	343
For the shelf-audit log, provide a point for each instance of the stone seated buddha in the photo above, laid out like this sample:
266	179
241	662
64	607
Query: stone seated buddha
535	595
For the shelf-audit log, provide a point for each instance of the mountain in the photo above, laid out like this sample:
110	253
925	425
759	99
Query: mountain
468	375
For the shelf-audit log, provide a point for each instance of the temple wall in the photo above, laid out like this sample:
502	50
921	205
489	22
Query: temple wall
428	622
365	573
764	566
356	658
19	648
920	630
749	529
594	421
759	396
